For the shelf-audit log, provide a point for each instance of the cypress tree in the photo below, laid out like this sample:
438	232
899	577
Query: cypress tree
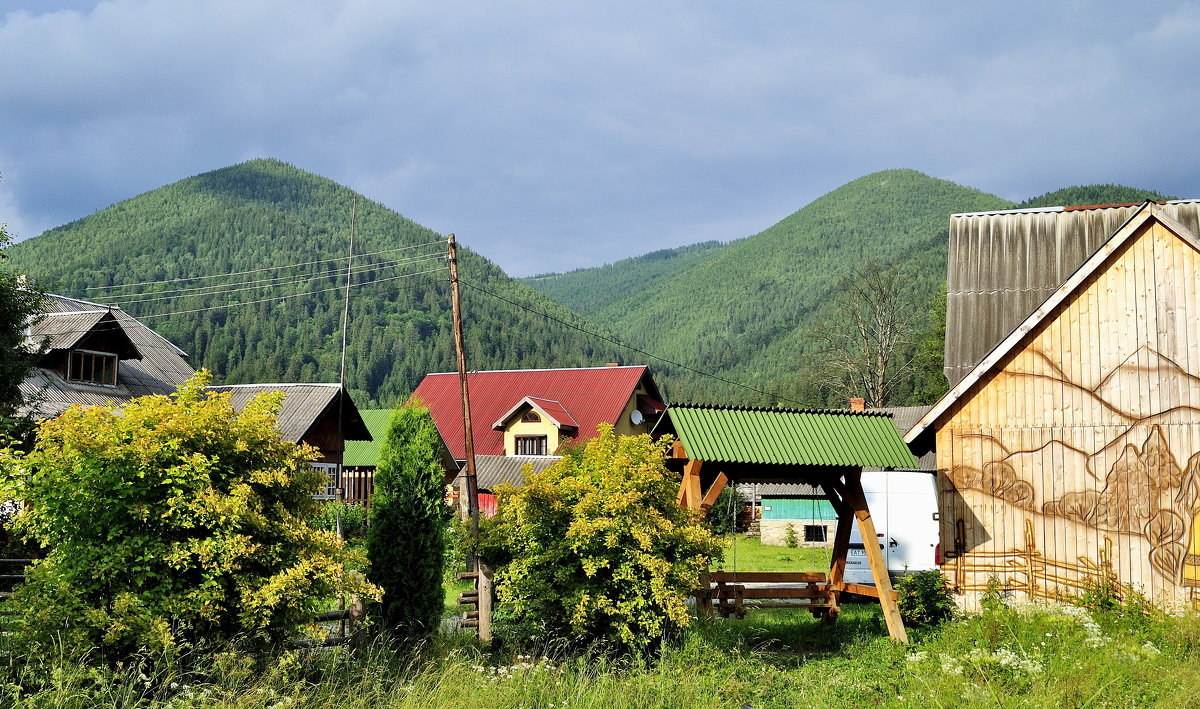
405	541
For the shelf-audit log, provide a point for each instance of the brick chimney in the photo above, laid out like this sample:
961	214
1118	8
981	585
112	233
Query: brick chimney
858	404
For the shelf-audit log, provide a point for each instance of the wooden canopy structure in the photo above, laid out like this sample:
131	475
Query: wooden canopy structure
716	445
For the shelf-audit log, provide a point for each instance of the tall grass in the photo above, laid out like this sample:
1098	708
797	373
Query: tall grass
1017	656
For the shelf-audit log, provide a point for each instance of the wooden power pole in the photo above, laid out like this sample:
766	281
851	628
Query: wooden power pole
468	492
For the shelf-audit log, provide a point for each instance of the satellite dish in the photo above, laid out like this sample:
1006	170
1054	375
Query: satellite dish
636	417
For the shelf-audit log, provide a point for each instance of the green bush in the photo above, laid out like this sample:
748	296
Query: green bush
596	548
354	519
167	521
726	514
790	538
925	598
407	537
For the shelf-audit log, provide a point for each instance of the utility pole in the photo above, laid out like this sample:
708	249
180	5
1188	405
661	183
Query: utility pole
468	492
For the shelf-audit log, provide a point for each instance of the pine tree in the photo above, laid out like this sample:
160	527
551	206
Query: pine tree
409	515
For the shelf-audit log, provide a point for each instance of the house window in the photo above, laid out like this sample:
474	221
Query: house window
531	445
92	367
814	532
333	481
530	417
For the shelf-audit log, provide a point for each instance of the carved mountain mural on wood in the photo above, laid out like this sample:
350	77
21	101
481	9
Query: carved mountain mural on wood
1076	460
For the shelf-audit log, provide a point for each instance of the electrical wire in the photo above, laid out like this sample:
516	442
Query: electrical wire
260	270
631	348
225	288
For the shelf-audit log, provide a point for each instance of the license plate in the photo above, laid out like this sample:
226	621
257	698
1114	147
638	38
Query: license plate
858	552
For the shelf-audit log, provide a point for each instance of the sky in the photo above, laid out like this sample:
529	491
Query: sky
551	134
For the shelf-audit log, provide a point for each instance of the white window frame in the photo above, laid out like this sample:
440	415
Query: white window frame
333	480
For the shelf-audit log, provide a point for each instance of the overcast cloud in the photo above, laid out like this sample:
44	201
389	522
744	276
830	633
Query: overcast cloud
552	135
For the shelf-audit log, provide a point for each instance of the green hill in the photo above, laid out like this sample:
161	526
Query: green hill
746	311
1092	194
587	289
265	213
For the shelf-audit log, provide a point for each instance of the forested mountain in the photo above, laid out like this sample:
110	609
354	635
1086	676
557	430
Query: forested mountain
586	289
747	311
1092	194
264	213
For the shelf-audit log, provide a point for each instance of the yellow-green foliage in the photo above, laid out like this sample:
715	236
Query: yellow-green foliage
596	546
171	519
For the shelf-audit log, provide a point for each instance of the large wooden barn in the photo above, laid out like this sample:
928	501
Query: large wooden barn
1068	447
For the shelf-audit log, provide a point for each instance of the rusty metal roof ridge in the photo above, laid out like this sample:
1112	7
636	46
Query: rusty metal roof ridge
1077	208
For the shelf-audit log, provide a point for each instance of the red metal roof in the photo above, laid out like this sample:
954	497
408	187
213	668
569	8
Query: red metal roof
592	395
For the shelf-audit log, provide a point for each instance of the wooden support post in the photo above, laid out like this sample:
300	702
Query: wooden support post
857	500
714	490
486	596
689	488
704	601
841	546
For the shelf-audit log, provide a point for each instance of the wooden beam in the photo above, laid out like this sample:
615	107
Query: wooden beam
841	547
689	487
714	490
769	577
677	450
857	500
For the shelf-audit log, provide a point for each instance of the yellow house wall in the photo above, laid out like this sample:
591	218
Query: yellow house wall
622	426
1078	457
516	427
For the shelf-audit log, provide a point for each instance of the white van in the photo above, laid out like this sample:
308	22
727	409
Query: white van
903	505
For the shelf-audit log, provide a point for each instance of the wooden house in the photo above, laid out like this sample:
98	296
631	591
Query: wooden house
1068	447
99	354
530	413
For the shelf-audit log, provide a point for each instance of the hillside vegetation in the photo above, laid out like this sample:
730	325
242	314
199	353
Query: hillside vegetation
265	213
747	311
1092	194
587	289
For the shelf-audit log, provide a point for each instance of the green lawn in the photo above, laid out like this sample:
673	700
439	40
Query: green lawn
1018	657
749	554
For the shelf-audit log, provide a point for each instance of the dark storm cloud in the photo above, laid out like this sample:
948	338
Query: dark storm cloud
551	135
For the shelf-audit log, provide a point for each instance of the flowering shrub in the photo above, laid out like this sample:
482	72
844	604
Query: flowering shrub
597	548
171	519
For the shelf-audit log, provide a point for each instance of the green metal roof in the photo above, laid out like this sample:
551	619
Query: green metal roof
787	436
366	453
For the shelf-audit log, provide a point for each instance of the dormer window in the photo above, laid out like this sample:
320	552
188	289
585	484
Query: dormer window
91	367
531	417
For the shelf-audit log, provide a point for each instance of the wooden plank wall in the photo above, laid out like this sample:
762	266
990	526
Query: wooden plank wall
1078	459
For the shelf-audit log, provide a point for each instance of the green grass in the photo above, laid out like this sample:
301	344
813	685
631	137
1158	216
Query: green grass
1005	658
750	554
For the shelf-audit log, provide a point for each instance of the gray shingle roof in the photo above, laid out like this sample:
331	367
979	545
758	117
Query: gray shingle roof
303	406
162	366
492	471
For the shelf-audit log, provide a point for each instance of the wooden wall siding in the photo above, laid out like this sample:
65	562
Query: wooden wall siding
1002	266
1080	455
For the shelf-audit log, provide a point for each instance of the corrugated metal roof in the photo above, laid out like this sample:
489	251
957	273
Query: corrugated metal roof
592	395
161	369
787	436
303	406
491	471
1003	265
905	417
364	454
919	436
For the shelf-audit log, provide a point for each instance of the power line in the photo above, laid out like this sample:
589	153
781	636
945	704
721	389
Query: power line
260	270
631	348
137	318
224	288
285	297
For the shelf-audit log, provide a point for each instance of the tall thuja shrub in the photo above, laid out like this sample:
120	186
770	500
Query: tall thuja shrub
406	539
